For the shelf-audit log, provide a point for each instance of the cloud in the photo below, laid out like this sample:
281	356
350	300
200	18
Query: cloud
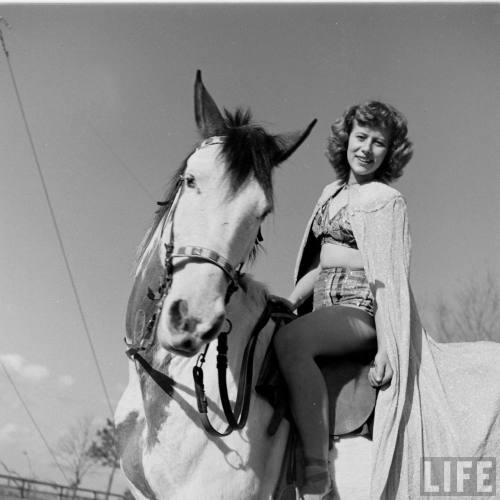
12	432
65	381
18	365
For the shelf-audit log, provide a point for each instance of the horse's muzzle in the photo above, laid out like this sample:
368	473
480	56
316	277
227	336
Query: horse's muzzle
186	333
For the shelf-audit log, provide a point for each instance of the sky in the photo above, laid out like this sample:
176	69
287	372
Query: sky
108	93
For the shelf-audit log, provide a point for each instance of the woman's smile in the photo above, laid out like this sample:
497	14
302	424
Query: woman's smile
364	161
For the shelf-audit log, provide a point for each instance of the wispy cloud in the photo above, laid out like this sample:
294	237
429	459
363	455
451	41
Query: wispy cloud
12	432
18	365
65	381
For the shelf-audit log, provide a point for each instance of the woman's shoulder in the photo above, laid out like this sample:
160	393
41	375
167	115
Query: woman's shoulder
329	190
374	196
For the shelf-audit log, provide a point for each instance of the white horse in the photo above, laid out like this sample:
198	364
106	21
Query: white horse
187	290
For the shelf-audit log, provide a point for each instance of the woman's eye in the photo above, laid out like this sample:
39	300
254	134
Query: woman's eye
190	181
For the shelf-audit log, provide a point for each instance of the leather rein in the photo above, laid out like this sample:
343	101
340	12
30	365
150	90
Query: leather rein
237	418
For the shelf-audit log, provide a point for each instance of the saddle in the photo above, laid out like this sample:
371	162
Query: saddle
351	397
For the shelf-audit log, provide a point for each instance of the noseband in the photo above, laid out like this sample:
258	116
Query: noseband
207	255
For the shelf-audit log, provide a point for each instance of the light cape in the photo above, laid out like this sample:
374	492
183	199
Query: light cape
444	398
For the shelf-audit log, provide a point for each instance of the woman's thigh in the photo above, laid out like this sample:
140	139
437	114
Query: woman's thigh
329	331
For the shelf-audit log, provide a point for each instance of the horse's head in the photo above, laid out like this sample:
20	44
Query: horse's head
222	195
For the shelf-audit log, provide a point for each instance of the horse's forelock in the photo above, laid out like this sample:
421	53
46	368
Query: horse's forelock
249	149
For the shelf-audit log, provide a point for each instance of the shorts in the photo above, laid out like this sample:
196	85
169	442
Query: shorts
341	286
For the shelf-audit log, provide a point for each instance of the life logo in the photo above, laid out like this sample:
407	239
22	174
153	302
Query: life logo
458	476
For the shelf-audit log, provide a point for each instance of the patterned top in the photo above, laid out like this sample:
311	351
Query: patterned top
335	230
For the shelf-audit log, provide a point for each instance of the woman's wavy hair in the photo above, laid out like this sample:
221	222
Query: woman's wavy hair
373	114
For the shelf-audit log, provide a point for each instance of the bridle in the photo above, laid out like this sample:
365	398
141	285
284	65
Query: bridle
191	252
236	418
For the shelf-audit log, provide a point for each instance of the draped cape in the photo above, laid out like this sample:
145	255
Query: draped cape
444	398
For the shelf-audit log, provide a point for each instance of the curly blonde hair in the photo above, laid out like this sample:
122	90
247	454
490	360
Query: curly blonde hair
373	114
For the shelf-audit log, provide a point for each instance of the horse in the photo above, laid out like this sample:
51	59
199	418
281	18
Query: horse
189	289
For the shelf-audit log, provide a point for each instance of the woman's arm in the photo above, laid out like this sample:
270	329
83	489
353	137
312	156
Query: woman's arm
305	286
386	248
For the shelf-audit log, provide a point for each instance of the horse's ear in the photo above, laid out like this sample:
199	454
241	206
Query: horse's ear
208	117
290	142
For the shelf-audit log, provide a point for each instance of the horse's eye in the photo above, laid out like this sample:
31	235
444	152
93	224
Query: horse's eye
265	214
190	181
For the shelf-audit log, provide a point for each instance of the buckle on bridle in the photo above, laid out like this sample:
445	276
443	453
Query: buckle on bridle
133	349
201	358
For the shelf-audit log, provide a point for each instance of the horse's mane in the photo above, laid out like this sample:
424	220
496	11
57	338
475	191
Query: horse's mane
248	150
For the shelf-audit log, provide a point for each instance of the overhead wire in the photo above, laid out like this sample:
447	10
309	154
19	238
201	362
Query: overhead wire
32	418
121	162
54	220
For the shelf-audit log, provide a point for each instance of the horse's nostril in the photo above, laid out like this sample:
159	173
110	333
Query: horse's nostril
186	345
180	319
178	311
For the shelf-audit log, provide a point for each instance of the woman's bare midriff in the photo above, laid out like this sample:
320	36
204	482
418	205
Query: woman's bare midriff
340	256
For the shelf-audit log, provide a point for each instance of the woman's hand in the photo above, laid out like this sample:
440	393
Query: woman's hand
276	299
380	372
282	305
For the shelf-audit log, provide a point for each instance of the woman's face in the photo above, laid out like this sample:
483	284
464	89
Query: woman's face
366	150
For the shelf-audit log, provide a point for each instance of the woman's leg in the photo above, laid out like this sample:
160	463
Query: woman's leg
333	331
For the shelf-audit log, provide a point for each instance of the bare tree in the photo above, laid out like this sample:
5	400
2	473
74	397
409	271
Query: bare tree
10	472
127	495
473	313
104	451
73	451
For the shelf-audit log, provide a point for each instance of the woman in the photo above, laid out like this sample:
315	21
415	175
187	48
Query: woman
368	146
437	400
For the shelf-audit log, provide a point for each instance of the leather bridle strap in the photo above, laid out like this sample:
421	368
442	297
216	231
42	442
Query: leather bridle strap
236	418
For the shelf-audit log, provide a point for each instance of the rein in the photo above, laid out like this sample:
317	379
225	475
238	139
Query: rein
237	418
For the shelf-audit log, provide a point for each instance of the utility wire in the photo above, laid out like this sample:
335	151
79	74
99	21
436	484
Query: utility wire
121	162
40	433
54	220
